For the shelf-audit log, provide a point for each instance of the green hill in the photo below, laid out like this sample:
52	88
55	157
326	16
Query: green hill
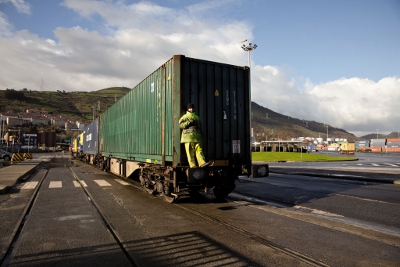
75	104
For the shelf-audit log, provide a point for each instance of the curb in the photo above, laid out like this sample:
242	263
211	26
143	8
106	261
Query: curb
5	188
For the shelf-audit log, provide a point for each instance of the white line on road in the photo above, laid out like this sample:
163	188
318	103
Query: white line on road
30	185
391	165
55	184
364	199
121	182
102	183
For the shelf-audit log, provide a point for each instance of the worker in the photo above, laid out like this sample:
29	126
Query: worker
192	137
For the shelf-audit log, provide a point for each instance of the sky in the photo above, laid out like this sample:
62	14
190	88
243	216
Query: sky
334	62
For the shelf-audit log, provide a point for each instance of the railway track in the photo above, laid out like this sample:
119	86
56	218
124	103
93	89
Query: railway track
132	260
6	255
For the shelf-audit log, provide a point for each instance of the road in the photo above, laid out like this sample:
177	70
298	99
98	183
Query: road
77	215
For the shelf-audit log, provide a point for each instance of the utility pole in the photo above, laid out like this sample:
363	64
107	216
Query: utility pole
327	134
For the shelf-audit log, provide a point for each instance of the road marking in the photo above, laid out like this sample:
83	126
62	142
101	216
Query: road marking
391	164
30	185
102	183
364	199
315	211
121	182
374	164
55	184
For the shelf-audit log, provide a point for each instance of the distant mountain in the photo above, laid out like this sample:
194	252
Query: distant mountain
381	136
269	125
266	124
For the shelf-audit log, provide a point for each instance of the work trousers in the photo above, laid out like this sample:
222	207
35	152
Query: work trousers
193	152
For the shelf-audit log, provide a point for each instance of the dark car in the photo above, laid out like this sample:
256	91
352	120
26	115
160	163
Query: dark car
367	150
5	155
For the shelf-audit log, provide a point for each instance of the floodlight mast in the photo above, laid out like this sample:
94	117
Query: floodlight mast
248	48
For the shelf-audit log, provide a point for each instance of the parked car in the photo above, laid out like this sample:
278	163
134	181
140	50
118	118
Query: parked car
5	155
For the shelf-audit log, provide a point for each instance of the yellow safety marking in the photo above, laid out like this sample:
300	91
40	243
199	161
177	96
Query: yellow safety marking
17	157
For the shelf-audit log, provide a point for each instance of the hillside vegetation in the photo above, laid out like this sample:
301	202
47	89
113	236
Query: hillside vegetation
75	104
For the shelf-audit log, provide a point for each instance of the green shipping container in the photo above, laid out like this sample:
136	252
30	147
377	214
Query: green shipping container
143	125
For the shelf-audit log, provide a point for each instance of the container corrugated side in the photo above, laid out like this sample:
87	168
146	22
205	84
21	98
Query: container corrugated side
90	145
220	93
47	138
139	126
392	149
393	144
375	149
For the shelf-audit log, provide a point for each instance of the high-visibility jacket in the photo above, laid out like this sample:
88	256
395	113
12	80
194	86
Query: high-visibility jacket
191	130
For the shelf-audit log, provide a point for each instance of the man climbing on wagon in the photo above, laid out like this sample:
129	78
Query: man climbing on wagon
192	137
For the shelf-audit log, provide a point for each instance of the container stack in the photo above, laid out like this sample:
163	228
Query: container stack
361	145
393	145
376	145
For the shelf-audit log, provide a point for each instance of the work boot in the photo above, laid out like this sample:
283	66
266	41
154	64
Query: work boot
204	164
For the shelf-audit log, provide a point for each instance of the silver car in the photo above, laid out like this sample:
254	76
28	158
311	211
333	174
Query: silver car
5	155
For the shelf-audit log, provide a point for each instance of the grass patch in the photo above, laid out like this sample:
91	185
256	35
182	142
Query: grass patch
297	157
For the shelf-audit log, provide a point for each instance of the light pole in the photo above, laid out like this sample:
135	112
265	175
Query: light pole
248	48
377	130
327	134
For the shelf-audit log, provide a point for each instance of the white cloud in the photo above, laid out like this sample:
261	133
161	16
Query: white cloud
354	104
5	27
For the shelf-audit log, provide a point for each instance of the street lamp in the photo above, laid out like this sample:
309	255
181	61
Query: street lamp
248	48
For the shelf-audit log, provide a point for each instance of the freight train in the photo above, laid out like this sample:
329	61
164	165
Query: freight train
140	135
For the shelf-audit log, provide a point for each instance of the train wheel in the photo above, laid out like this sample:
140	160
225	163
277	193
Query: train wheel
221	192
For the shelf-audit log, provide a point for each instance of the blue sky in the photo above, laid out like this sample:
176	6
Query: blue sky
336	62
